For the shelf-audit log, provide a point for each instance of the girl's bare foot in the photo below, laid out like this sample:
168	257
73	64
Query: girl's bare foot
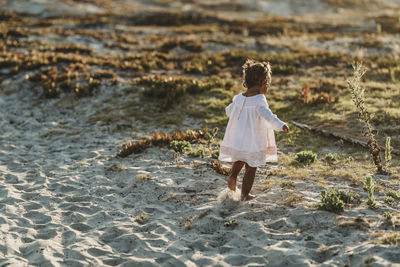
248	197
232	183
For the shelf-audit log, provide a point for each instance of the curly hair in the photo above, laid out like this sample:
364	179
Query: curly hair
256	73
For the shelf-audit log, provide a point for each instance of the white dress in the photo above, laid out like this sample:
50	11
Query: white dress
249	135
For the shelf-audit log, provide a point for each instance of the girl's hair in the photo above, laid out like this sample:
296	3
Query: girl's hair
256	73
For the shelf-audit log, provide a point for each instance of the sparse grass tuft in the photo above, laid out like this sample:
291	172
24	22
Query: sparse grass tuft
392	239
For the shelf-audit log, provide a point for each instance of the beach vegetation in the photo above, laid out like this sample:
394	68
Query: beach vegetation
390	201
305	157
331	201
357	93
219	168
392	238
393	194
180	146
369	186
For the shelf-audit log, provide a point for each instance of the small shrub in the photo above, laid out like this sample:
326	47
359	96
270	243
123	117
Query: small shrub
200	151
393	194
390	201
349	197
369	186
180	146
305	157
331	201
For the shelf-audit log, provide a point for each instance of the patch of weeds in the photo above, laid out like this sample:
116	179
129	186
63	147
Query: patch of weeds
189	45
392	239
231	223
219	168
142	218
369	186
200	151
393	194
180	146
171	89
390	201
288	184
331	201
305	157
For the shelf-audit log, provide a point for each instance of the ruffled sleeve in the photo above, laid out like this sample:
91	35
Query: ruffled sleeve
228	109
264	112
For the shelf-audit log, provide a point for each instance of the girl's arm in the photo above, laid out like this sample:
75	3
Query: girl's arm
270	117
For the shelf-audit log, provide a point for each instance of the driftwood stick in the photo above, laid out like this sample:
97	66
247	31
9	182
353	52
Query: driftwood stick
339	136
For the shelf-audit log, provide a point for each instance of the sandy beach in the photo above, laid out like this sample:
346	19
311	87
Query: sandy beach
67	199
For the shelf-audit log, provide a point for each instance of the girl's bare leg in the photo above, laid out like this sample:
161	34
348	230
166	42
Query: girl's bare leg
236	167
248	181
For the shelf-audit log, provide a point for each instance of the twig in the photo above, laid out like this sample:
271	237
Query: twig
339	136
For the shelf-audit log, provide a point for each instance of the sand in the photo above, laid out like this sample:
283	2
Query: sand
66	199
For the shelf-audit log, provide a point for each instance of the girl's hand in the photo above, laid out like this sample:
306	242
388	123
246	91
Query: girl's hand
285	128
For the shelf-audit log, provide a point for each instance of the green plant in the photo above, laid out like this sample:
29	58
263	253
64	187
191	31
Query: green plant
331	158
349	197
393	194
200	151
180	146
388	215
369	186
330	201
390	201
357	94
388	154
305	157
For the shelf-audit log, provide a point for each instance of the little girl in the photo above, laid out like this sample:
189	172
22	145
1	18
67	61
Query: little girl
249	137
